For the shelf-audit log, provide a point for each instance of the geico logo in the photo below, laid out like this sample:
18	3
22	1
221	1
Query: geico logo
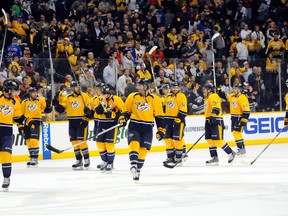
264	125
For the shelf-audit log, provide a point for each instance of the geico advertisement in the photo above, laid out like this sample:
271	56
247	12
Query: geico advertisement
260	126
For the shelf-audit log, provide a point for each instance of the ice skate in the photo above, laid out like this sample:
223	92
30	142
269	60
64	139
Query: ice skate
136	176
5	185
78	165
102	166
86	163
213	162
179	162
109	168
241	152
232	157
169	161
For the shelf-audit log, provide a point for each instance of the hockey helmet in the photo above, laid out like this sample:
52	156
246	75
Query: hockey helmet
175	84
166	86
105	90
32	90
74	84
210	86
10	85
238	86
144	82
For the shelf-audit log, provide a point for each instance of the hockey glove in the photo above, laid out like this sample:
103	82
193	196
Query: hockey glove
87	111
29	122
160	133
84	122
122	121
21	129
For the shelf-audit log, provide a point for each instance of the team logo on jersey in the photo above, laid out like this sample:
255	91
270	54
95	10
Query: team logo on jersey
215	102
245	105
6	109
75	104
142	106
170	104
234	104
31	107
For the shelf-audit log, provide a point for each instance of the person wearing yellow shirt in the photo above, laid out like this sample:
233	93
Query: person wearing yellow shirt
73	59
10	111
253	46
276	46
32	108
19	27
142	108
15	63
235	67
172	35
64	46
286	110
214	125
143	73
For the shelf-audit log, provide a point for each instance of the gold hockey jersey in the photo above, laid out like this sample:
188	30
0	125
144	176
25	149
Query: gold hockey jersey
174	104
75	105
213	102
143	109
112	104
33	108
238	104
9	109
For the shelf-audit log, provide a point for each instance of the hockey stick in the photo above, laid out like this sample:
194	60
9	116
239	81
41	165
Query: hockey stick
51	148
165	164
267	146
152	69
4	40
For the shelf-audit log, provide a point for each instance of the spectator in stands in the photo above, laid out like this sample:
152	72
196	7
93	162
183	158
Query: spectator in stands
109	74
122	82
24	88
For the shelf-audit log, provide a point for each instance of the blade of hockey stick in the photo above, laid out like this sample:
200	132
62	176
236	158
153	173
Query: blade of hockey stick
152	50
51	148
175	164
267	146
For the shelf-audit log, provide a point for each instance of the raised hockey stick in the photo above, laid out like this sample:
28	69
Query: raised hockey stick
152	69
267	146
165	164
4	39
51	148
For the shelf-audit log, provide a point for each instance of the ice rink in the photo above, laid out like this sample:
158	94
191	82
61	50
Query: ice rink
193	189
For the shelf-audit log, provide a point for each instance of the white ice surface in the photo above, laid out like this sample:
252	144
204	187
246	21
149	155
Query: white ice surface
193	189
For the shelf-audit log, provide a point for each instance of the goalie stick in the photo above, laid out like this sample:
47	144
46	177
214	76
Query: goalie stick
267	146
4	39
165	164
51	148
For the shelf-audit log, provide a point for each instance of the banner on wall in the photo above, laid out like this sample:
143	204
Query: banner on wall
260	126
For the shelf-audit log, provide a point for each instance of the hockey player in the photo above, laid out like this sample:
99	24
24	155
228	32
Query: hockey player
9	109
175	111
141	108
214	125
107	108
77	105
32	108
240	111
